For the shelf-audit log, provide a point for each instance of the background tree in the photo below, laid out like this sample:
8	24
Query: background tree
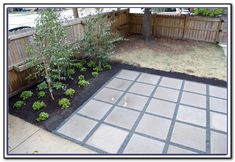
147	24
49	50
75	13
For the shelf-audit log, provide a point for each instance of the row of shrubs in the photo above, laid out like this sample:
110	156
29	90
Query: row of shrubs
64	103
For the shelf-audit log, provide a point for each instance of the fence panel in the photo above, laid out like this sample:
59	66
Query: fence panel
17	44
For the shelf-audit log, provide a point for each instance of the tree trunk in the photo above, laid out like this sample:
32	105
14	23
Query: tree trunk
147	24
75	13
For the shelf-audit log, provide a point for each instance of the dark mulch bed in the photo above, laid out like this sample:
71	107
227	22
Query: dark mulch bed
57	115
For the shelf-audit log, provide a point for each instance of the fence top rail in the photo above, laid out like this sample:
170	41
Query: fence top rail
194	18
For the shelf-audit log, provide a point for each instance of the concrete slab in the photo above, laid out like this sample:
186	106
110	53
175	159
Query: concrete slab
191	115
77	127
162	108
148	78
142	145
193	99
154	126
128	74
190	136
19	131
219	105
171	82
218	92
166	94
195	87
95	109
107	138
143	89
43	142
119	84
218	121
122	117
108	95
177	150
218	143
133	101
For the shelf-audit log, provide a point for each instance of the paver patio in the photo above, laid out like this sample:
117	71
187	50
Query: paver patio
139	113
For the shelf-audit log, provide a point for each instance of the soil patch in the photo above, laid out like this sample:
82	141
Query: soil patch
57	115
201	59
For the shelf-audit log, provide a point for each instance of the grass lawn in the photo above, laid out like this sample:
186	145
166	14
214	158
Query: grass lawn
192	57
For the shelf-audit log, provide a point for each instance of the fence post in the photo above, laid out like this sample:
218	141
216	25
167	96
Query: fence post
185	22
219	30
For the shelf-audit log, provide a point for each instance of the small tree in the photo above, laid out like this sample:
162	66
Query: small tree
99	40
49	50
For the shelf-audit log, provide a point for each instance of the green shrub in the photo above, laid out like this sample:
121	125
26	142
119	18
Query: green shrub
59	85
91	64
19	104
42	86
81	77
70	72
64	103
83	69
97	69
107	67
26	94
94	74
69	92
41	94
211	12
38	105
83	83
42	116
78	65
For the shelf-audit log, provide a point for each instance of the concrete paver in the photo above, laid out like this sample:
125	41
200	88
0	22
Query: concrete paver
107	138
133	101
142	145
189	136
122	117
95	109
77	127
162	108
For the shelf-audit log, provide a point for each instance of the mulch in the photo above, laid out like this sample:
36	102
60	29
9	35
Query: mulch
58	115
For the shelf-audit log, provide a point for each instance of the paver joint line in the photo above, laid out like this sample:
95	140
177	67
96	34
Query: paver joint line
170	131
208	134
123	146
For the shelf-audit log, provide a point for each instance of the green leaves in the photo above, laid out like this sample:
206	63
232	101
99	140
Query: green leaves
38	105
19	104
26	94
42	116
208	12
69	92
64	103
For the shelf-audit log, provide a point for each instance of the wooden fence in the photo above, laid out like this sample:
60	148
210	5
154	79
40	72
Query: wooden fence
182	27
18	41
177	27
